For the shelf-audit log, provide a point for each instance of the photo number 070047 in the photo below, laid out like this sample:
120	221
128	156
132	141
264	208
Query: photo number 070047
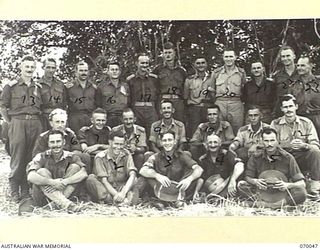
160	118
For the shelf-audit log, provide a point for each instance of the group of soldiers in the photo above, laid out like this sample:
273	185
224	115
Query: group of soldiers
164	134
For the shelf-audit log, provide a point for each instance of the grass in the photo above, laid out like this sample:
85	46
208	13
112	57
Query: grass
210	208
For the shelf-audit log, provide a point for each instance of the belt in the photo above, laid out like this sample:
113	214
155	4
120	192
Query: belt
142	104
170	96
26	117
235	98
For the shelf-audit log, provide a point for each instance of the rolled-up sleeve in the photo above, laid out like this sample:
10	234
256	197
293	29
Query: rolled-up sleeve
36	163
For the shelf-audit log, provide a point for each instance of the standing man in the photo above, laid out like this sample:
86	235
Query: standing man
164	125
144	93
229	81
198	91
113	95
249	137
285	77
55	174
20	106
81	98
222	129
134	135
114	174
274	158
171	79
310	89
260	92
298	136
53	92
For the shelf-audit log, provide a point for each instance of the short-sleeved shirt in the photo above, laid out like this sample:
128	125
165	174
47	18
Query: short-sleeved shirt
136	138
248	138
53	94
81	100
91	136
311	92
196	89
159	127
143	88
284	81
281	161
72	142
57	168
264	95
224	164
176	168
227	83
113	99
115	168
224	131
20	99
171	80
303	129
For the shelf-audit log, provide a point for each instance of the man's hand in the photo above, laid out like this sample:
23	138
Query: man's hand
196	197
57	184
119	197
184	184
281	185
261	184
232	188
91	149
298	144
164	180
131	147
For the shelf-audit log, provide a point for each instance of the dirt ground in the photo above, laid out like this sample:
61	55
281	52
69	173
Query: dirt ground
9	209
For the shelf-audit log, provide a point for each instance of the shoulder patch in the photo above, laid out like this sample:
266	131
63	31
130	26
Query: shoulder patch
70	131
69	85
203	125
116	128
218	69
153	75
142	129
192	76
13	82
130	77
101	154
276	121
241	70
179	123
270	79
84	129
202	157
44	133
244	128
108	128
225	124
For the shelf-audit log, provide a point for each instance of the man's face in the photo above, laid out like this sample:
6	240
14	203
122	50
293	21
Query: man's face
229	58
99	121
49	68
168	142
117	145
166	110
56	143
257	69
143	64
168	55
82	72
113	71
270	142
289	108
287	57
213	143
304	67
27	68
213	115
254	116
59	122
201	64
128	119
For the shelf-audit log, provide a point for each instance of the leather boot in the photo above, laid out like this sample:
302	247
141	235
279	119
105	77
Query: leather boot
14	190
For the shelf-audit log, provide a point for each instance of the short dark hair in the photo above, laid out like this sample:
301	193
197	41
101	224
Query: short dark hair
167	132
114	134
99	111
80	63
269	131
213	106
310	60
168	45
57	111
286	47
28	58
113	63
199	56
142	54
251	107
50	59
126	110
256	61
230	49
55	132
166	101
286	98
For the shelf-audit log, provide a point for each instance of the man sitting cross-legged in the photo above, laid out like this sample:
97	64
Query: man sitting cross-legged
55	174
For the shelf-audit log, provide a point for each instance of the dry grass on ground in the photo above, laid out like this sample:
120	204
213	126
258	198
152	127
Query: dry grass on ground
211	208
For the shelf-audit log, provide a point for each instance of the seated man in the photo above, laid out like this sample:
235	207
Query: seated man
165	124
298	136
55	174
135	137
172	165
114	174
222	129
58	119
95	138
219	163
248	138
273	157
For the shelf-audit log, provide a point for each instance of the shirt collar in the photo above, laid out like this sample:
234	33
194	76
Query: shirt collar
283	120
88	83
109	155
259	130
173	121
135	127
235	70
206	75
64	155
21	82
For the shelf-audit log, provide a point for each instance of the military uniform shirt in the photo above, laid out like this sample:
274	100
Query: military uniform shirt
91	136
137	138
